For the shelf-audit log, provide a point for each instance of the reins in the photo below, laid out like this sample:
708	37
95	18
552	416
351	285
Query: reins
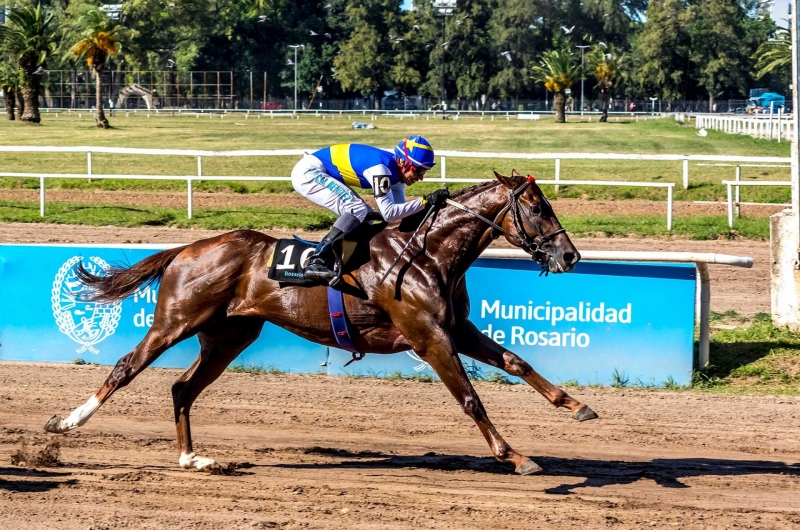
532	244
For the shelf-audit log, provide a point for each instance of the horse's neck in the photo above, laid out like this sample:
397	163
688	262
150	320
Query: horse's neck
461	236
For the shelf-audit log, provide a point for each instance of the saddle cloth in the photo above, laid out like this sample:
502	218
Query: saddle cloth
287	262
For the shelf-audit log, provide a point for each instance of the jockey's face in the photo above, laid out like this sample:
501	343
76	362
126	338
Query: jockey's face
410	174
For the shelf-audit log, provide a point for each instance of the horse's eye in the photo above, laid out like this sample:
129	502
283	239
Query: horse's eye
536	209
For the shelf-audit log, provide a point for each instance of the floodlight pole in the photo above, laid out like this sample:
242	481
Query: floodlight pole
445	8
796	119
582	75
295	46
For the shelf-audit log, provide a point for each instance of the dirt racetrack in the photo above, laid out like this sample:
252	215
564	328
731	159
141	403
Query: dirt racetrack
330	452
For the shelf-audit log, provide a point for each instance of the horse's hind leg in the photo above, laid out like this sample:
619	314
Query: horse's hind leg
168	329
472	343
219	345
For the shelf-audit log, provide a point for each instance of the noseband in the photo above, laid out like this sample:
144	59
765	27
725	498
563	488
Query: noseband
531	244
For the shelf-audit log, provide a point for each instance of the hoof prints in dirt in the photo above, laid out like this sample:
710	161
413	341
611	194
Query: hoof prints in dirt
231	469
28	457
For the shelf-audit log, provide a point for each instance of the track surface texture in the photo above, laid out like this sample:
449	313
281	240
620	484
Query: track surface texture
327	452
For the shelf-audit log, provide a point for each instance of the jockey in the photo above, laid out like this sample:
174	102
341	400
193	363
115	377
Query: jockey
327	177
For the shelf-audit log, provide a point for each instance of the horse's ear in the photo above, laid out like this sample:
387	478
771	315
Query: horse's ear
505	181
515	173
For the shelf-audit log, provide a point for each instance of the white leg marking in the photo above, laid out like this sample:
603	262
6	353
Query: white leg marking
78	417
192	461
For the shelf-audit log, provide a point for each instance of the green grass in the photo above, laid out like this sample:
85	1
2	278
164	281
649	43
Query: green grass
755	357
652	137
254	370
264	218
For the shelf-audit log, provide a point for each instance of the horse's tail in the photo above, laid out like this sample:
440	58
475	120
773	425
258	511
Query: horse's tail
120	282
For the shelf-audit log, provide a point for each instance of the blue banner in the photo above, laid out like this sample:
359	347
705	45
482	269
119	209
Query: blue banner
602	323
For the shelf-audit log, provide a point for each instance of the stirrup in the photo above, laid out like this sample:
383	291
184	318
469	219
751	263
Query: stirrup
319	273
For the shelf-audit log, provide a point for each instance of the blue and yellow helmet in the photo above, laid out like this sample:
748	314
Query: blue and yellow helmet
416	151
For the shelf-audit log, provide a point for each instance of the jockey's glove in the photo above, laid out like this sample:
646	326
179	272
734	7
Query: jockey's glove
436	198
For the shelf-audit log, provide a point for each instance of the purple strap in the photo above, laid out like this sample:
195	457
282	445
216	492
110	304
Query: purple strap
338	320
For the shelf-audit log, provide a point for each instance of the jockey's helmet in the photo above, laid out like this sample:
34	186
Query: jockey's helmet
416	151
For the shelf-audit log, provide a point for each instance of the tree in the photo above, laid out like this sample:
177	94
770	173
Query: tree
603	63
9	84
775	56
558	71
29	37
98	41
662	50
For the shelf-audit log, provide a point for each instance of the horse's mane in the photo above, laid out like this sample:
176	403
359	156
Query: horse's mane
474	190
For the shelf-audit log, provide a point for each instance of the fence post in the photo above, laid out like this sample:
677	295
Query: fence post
730	206
771	108
686	172
780	124
669	207
89	164
41	196
189	185
558	173
444	167
738	179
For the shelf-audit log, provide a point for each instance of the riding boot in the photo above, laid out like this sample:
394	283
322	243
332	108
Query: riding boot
319	265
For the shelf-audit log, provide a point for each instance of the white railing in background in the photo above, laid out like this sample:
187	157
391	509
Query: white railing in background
736	184
701	261
443	154
766	126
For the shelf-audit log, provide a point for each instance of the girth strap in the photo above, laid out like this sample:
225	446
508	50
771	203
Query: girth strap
339	324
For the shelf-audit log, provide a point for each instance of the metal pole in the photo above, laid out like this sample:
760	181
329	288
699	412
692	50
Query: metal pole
686	173
780	124
443	161
582	76
558	172
444	51
295	78
89	165
730	206
771	110
251	90
796	121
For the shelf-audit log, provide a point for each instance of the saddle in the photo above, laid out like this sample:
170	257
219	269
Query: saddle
288	261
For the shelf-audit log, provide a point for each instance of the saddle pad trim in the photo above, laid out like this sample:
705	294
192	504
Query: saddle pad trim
339	321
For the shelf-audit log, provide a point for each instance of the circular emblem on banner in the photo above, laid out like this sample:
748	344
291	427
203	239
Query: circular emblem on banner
87	323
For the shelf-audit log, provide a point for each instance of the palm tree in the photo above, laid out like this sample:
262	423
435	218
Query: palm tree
98	41
606	71
9	83
775	55
558	70
28	36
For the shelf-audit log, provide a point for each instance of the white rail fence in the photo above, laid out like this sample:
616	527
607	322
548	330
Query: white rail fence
770	127
734	200
443	156
701	261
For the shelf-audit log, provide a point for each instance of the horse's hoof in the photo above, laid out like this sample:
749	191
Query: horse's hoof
192	461
52	425
529	467
584	413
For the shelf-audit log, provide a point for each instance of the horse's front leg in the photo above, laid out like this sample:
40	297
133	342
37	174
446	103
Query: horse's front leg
472	343
438	349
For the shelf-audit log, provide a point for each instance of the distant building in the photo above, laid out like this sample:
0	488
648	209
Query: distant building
780	11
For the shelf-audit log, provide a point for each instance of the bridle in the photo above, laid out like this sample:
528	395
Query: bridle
531	244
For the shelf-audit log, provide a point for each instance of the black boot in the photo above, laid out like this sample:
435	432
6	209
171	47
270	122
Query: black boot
319	265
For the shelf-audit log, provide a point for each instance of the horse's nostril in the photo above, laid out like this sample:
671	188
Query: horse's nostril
569	257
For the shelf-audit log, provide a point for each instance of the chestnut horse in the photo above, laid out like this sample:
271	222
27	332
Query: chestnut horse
218	289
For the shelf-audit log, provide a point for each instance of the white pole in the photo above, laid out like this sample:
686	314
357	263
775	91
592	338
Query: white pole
41	196
444	168
558	171
89	165
780	124
738	189
669	208
686	173
771	110
705	306
730	206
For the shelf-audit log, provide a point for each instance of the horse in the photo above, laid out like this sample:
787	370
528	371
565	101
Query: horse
218	289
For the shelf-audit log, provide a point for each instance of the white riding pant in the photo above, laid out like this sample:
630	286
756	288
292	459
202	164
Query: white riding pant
311	181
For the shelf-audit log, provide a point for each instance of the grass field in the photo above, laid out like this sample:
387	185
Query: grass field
663	136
